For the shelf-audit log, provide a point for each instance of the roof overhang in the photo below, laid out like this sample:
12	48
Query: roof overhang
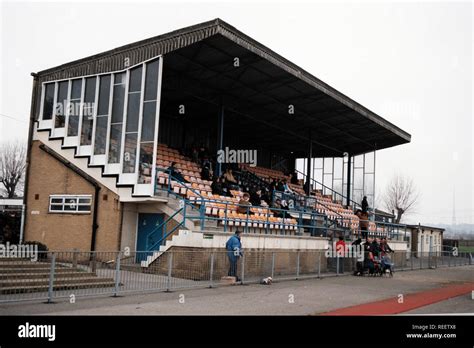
261	90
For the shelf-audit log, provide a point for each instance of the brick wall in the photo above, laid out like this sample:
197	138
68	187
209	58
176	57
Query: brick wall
48	176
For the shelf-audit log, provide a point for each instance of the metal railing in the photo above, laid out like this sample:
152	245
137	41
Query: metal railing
67	275
219	211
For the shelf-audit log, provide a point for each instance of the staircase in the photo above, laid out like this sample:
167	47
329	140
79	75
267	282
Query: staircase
109	175
26	276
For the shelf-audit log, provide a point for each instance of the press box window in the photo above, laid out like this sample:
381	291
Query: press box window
70	204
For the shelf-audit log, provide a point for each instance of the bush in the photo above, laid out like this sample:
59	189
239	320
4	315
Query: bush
42	249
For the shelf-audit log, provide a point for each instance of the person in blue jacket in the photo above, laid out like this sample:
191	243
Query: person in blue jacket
234	252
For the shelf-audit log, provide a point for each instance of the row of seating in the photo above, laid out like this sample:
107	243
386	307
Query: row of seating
265	173
333	210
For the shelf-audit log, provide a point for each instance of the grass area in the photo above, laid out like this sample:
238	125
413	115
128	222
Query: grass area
466	249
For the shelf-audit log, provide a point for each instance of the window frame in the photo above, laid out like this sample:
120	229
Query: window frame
63	204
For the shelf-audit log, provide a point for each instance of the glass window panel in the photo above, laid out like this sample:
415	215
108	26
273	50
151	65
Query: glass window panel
148	123
133	110
70	204
104	95
73	126
56	200
76	89
119	78
87	123
117	103
100	135
146	163
61	104
85	200
89	95
48	101
130	153
115	143
84	208
151	80
54	207
135	79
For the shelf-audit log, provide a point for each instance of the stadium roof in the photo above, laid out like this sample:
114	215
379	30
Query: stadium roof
198	62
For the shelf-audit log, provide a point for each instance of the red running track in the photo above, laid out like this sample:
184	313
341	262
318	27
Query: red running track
410	301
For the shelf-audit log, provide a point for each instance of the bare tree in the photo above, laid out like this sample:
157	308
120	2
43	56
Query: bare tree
12	167
401	196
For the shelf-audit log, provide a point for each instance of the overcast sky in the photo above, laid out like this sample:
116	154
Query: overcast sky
411	63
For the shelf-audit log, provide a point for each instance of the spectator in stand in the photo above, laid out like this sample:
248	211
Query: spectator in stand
294	178
365	205
273	185
255	197
286	187
216	187
234	252
277	208
206	172
175	174
265	197
244	205
285	207
225	187
279	185
230	180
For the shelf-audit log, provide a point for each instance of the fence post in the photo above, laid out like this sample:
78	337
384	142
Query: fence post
51	278
297	265
117	274
337	265
319	264
449	259
75	252
411	259
273	264
242	270
211	272
170	267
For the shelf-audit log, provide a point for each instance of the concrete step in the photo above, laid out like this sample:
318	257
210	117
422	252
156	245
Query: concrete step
44	282
104	283
45	268
45	275
29	264
17	259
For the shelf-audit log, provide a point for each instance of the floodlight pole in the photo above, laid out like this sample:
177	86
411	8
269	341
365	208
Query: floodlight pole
348	194
308	166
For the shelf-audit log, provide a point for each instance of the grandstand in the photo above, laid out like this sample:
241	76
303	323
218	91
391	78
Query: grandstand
104	173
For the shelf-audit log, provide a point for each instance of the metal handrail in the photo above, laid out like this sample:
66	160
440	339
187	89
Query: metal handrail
330	189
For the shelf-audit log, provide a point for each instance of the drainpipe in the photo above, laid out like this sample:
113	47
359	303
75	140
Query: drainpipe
86	177
28	152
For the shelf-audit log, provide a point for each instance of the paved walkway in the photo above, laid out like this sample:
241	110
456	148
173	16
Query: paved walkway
303	297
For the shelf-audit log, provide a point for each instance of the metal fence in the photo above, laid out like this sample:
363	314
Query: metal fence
55	275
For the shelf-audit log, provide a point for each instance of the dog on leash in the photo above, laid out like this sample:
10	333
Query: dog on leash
266	281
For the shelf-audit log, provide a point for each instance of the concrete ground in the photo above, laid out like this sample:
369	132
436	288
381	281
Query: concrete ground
303	297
